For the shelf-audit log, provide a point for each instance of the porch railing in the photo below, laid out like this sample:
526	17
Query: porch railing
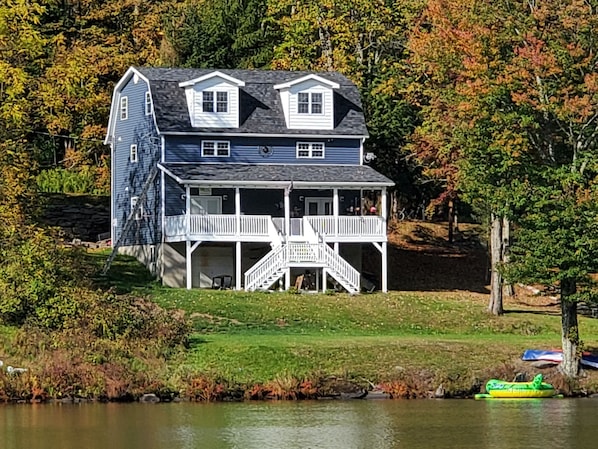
348	226
221	225
218	225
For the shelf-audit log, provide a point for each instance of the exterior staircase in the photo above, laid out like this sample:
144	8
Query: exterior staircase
276	263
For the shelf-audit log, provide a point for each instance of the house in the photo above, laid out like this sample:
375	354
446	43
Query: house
252	178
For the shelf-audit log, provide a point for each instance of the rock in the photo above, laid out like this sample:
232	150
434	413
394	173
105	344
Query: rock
377	394
149	398
543	364
440	393
520	377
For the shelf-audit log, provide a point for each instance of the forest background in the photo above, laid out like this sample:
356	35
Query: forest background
490	103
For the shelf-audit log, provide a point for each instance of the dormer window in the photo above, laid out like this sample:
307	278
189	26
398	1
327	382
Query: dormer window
213	100
211	104
309	103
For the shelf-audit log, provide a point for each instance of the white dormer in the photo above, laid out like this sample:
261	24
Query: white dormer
213	100
308	102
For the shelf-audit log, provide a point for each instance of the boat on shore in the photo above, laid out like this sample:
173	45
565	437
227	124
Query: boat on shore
523	390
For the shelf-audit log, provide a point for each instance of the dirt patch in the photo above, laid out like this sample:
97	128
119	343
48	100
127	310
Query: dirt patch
420	258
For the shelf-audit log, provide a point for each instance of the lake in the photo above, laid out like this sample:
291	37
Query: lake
367	424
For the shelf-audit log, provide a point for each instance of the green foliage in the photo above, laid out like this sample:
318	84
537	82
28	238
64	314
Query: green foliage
222	34
59	180
33	271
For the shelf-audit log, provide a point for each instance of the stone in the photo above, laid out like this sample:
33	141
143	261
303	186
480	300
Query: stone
149	398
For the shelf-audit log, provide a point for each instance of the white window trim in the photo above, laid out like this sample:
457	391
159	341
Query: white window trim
139	214
148	103
310	103
124	108
133	155
215	101
310	149
215	142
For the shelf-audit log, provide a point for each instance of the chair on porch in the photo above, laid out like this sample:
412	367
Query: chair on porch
222	282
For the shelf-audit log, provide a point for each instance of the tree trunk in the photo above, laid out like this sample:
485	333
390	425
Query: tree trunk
495	307
508	289
570	332
451	212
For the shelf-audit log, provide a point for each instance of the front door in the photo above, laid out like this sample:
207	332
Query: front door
318	206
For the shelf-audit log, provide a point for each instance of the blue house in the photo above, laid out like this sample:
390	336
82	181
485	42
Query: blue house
250	178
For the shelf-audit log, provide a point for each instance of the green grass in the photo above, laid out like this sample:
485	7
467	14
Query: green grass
258	337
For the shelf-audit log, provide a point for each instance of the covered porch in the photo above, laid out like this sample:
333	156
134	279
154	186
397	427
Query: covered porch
274	204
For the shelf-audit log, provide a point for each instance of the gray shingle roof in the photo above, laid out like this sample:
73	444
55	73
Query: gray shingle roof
308	175
260	108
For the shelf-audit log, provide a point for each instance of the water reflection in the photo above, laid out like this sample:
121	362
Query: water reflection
511	424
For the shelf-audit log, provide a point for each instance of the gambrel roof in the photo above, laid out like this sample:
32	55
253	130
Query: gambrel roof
260	106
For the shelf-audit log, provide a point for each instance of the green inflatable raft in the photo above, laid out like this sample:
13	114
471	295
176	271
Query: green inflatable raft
535	389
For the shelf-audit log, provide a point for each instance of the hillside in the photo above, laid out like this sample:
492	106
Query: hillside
420	258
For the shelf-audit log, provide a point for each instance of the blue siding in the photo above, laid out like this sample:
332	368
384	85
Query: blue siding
130	177
247	150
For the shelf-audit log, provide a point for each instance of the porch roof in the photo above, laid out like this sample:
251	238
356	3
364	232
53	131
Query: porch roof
277	175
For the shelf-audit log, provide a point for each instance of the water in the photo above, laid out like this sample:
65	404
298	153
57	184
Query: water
371	424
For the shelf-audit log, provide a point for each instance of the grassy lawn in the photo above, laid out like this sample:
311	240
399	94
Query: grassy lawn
257	337
260	336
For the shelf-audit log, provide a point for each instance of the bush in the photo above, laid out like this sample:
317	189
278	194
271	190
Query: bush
86	180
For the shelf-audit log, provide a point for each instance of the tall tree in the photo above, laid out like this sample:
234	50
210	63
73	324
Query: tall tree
366	41
517	81
222	34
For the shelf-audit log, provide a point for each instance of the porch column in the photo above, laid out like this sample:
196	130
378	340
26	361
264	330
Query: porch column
287	279
335	208
287	211
188	251
238	274
187	212
323	280
188	254
238	210
384	244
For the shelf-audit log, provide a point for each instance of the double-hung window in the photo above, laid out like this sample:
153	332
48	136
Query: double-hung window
134	156
310	103
310	150
138	215
124	108
214	103
148	103
215	148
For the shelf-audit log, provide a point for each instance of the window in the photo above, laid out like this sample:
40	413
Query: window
204	205
221	101
124	108
136	210
148	103
217	103
306	150
303	105
316	103
310	103
208	101
133	156
215	148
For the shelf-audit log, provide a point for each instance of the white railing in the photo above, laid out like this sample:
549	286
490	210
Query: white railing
271	263
341	270
348	226
222	225
218	225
